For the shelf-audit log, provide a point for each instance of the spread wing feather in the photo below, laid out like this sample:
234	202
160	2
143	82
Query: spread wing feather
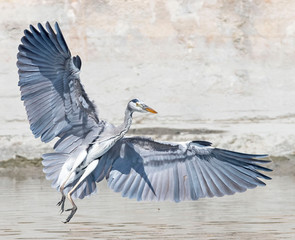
148	170
55	101
49	81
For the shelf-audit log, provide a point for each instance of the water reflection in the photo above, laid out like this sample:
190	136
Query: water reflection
28	211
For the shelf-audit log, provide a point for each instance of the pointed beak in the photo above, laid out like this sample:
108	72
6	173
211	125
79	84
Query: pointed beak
150	110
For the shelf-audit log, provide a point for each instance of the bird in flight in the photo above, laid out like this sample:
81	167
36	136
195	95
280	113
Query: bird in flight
90	149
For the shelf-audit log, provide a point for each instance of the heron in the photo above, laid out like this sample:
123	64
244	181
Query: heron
89	149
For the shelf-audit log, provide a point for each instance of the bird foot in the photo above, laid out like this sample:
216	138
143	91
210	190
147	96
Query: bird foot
73	211
61	203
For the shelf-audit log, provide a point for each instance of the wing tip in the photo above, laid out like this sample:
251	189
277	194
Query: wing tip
47	24
77	62
56	25
202	143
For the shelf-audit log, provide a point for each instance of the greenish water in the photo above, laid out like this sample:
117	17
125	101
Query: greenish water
28	211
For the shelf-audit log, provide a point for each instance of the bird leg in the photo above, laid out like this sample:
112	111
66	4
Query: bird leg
80	158
61	203
88	171
73	209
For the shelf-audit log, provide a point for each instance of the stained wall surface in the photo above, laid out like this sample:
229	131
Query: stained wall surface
223	69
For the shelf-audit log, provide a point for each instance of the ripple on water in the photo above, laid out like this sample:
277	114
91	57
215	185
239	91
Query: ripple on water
28	211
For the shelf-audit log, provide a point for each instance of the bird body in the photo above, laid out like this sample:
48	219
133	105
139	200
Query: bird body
104	142
90	149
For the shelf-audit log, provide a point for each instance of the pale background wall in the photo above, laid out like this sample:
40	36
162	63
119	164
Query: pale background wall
217	65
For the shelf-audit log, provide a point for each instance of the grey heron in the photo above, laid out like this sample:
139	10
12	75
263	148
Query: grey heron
90	149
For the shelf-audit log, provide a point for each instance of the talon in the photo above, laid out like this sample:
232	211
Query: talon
73	211
61	203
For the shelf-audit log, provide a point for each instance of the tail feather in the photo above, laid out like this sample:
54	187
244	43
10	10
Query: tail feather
53	163
86	188
56	169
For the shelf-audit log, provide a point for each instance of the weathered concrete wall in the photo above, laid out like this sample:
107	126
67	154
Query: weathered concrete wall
221	65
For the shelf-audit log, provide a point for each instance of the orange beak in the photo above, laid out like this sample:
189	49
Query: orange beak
150	110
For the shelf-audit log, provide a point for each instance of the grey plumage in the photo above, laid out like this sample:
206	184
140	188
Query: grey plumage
50	80
190	170
89	149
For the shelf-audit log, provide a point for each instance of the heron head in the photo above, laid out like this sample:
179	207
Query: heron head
139	106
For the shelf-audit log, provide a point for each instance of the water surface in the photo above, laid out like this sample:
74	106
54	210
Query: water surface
28	211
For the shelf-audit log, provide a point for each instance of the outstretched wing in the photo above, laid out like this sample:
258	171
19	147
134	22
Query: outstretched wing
149	170
56	103
55	100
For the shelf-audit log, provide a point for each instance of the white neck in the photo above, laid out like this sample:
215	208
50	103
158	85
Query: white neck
124	127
